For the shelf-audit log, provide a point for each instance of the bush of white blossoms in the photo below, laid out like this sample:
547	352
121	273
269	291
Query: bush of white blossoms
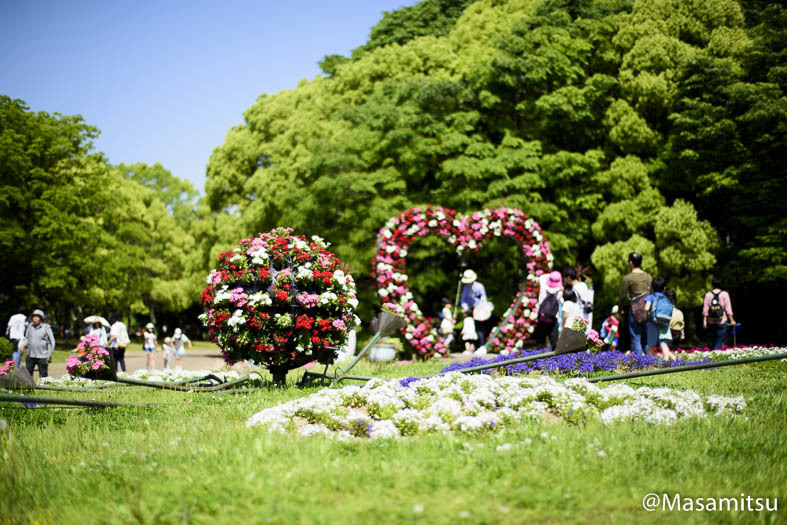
478	403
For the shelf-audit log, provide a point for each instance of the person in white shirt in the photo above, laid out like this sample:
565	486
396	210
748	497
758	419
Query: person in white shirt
179	339
584	294
149	345
99	331
15	332
118	340
571	308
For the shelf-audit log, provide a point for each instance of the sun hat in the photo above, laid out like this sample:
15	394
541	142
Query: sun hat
177	334
469	277
167	339
615	309
555	280
150	326
38	313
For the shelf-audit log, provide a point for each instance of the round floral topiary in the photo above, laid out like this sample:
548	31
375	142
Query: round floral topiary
279	300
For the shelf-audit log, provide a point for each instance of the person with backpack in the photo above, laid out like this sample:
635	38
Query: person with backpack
584	294
716	312
547	311
659	310
118	341
634	288
39	343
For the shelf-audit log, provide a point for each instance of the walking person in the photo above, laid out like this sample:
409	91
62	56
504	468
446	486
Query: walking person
15	332
179	339
584	295
39	343
571	308
149	345
610	328
660	311
547	311
634	288
474	295
469	332
447	323
716	313
677	323
118	341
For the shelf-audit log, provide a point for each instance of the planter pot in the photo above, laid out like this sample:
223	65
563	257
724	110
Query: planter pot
348	350
19	379
571	341
382	352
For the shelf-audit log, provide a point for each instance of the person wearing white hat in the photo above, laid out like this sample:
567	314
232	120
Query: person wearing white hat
473	293
179	339
610	327
149	346
39	343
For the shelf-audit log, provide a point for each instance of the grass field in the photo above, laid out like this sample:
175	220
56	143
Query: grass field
193	460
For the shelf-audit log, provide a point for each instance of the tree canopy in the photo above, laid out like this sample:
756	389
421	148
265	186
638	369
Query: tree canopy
617	124
657	126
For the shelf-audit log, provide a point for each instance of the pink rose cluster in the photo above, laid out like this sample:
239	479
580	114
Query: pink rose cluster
465	234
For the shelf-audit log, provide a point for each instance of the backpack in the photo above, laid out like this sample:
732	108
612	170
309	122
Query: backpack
547	312
715	311
123	339
661	311
638	308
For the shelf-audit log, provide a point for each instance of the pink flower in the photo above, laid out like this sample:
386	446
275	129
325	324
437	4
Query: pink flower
98	364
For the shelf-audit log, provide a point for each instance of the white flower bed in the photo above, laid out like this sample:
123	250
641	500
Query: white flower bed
733	353
161	376
478	403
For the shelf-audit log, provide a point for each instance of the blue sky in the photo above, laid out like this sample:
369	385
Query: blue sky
164	81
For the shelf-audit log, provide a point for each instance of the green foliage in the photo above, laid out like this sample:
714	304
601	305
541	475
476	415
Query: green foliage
616	124
81	235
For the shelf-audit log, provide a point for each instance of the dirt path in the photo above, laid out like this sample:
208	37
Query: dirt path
194	360
135	360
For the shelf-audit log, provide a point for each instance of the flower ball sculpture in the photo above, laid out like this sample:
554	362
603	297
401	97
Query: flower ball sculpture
279	300
465	233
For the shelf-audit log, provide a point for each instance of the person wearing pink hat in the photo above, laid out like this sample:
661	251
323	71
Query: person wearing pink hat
550	289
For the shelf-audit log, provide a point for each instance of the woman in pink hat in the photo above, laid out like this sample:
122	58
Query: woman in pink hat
550	289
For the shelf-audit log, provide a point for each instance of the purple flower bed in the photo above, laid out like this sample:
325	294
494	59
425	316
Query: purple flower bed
582	363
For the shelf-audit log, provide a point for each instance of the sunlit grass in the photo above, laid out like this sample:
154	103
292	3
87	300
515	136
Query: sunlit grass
193	460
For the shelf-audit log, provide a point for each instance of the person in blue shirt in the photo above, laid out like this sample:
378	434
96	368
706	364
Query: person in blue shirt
473	293
658	335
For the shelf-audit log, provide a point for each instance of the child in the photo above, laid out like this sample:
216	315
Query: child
677	323
610	327
149	346
659	334
168	348
469	334
571	308
179	339
447	324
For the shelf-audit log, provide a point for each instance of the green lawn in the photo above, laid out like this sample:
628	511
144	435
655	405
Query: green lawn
194	461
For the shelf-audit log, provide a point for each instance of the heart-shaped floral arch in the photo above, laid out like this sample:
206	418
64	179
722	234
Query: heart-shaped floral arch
465	233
